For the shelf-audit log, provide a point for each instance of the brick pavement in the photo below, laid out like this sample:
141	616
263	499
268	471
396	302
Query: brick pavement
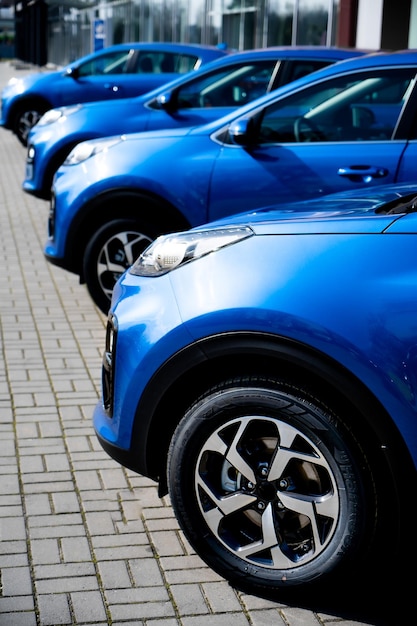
82	540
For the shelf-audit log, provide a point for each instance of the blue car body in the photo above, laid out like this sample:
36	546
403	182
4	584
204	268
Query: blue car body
355	127
118	71
217	89
314	304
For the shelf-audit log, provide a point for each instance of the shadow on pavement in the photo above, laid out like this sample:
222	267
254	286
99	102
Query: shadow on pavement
383	596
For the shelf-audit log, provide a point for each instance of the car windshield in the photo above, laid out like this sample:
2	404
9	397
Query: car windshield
405	204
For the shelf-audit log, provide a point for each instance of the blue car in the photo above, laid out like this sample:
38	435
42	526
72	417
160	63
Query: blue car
118	71
216	90
263	370
349	125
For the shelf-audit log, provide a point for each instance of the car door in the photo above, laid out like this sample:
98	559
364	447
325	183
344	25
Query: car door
338	134
107	77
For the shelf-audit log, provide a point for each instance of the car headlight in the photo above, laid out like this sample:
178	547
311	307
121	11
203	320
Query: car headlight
168	252
87	149
54	115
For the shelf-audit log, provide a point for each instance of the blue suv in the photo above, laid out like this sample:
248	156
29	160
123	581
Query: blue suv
349	125
118	71
215	90
263	370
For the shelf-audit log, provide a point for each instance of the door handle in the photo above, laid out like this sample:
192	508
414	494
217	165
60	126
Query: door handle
111	87
362	173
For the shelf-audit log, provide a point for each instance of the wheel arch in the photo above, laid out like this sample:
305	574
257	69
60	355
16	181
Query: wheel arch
52	165
210	361
21	103
116	204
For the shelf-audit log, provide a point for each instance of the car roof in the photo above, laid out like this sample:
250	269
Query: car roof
197	49
295	52
324	53
285	52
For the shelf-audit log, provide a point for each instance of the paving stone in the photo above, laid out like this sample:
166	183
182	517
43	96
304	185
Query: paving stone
66	585
190	599
167	542
18	618
124	552
203	574
272	617
65	502
53	520
298	617
138	595
145	572
232	619
45	551
23	603
12	528
114	574
141	611
88	606
221	597
65	570
54	609
75	549
16	581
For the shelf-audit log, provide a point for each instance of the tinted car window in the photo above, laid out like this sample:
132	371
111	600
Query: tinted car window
163	62
112	63
297	69
362	107
226	87
185	63
144	62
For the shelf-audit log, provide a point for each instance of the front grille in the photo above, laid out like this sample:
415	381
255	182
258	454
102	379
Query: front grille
107	370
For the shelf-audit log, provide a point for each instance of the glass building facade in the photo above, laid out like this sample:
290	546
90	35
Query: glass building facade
60	31
239	24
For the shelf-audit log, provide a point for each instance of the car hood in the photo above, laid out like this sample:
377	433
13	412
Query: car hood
367	211
157	134
17	85
122	106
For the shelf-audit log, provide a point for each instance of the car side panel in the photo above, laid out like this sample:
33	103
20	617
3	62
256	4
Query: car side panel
285	172
99	87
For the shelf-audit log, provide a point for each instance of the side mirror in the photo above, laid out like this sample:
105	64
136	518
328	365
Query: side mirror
166	101
72	72
241	132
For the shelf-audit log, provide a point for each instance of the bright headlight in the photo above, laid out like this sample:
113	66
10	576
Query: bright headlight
170	251
87	149
53	115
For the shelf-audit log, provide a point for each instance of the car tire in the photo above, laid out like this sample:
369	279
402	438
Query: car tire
111	250
269	486
26	116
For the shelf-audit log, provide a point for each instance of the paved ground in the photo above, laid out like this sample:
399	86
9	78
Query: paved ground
83	541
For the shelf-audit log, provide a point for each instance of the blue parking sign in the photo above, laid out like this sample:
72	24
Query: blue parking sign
99	34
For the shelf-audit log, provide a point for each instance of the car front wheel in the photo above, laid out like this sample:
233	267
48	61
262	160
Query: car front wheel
269	486
111	250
